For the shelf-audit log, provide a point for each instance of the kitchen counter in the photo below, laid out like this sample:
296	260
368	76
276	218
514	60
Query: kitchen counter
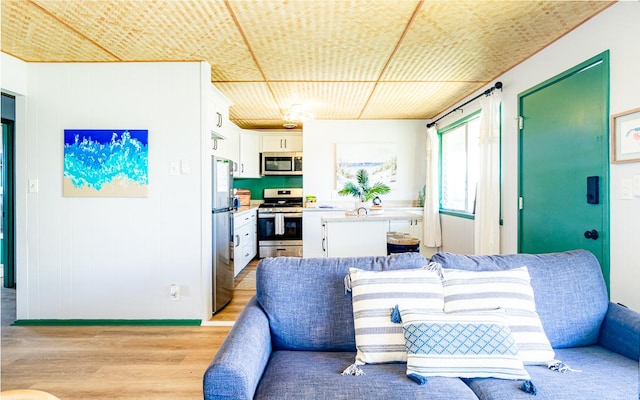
387	215
244	209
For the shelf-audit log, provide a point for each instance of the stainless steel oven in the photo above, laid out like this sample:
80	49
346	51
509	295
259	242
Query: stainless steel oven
280	223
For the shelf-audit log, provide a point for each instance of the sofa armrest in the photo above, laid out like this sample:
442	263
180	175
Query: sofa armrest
620	331
238	365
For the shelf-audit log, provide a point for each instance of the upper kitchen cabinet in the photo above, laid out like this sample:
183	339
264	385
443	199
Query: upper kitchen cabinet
228	147
275	142
218	114
249	161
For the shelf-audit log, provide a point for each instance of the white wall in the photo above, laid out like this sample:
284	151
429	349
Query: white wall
13	78
606	31
406	136
110	258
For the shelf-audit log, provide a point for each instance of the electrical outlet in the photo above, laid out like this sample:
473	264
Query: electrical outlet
174	292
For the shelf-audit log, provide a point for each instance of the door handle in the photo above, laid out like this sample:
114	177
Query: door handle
592	234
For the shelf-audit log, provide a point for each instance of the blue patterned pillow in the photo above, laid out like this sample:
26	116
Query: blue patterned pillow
462	345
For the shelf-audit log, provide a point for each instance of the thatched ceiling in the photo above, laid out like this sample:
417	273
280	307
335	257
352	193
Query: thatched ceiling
358	59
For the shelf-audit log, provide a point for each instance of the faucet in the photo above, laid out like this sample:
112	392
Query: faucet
362	208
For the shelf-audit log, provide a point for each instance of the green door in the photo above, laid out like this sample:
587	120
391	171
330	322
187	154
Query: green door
564	158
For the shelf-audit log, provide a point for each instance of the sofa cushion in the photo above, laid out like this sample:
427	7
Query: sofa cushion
374	294
570	293
466	345
305	299
509	290
604	375
316	375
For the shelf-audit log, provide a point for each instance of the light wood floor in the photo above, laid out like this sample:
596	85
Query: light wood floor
112	362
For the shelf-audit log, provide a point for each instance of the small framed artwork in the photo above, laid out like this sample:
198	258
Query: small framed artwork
625	136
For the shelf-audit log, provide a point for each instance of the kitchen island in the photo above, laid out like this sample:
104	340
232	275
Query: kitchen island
333	233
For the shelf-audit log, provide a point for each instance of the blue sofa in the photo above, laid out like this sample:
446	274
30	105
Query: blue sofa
296	336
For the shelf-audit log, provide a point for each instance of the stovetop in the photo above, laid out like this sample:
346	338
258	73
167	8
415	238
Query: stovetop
281	204
282	200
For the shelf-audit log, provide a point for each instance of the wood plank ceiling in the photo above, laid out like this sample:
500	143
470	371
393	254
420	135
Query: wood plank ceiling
341	59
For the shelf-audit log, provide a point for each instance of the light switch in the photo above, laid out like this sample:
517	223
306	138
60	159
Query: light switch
33	186
626	189
185	167
174	168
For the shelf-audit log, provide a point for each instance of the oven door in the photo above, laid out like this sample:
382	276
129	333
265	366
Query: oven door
278	227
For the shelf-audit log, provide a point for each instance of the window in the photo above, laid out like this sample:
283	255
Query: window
460	149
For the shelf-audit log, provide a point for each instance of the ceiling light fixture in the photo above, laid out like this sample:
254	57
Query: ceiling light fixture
294	114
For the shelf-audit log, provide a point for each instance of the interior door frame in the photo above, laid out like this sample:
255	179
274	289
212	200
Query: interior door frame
8	203
602	58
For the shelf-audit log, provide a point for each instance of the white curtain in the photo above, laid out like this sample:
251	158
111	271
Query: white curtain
487	218
431	210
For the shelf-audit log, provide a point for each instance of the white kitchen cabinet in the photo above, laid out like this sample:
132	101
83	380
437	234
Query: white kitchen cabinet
313	235
228	147
275	142
249	159
412	227
244	239
218	114
356	238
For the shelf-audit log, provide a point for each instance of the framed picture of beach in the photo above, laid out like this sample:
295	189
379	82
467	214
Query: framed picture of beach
625	136
379	159
106	163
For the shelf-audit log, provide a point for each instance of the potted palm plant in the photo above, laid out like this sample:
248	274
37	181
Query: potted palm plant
362	190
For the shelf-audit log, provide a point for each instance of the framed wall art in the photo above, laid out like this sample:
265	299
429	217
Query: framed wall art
379	159
106	163
625	136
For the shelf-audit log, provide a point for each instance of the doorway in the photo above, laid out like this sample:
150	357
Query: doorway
7	185
564	159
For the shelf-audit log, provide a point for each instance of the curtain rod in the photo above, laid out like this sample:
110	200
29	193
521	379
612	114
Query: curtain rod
487	92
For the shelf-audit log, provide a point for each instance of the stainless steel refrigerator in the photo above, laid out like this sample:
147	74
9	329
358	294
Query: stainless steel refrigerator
222	237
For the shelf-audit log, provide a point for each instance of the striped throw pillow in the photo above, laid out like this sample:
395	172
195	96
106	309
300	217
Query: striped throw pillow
374	295
507	289
462	345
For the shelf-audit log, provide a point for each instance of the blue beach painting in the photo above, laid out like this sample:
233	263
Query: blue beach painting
106	163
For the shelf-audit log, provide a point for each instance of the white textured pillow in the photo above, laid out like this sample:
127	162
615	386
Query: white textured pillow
507	289
463	345
374	294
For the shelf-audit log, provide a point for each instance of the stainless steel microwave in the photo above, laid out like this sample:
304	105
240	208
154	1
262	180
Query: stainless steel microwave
284	163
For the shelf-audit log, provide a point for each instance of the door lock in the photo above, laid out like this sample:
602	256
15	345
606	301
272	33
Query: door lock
592	234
